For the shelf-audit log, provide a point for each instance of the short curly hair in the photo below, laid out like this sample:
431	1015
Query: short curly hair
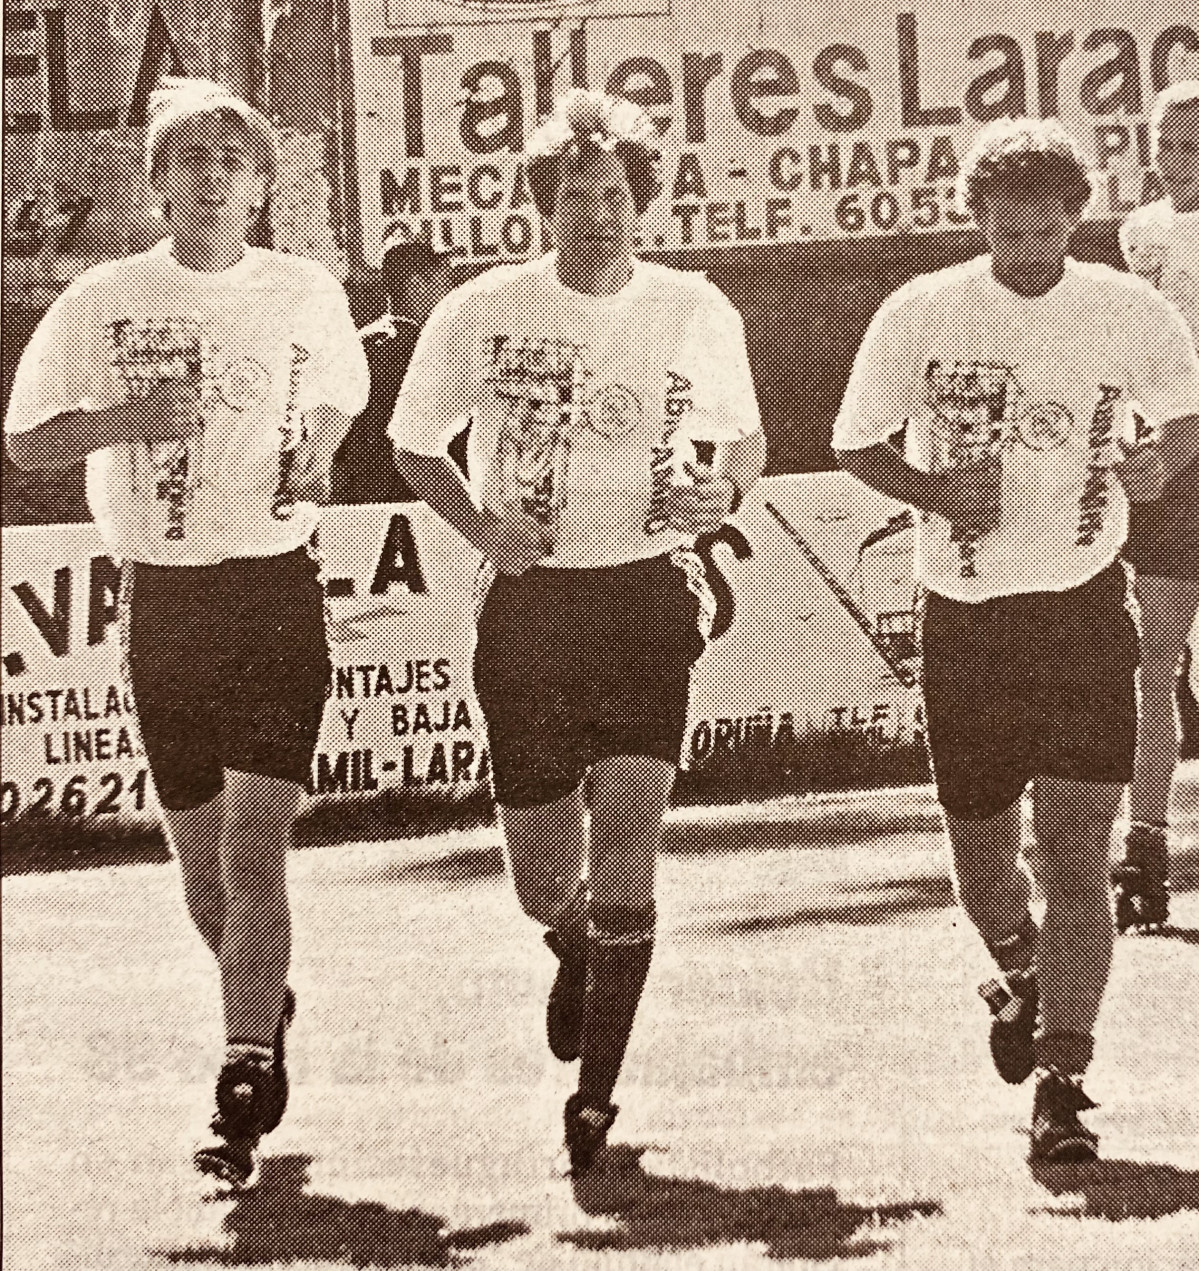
1024	158
584	124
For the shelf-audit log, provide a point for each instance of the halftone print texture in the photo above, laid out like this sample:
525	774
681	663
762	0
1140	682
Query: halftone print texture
780	997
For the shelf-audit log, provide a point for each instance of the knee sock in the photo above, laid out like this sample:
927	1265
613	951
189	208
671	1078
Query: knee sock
622	944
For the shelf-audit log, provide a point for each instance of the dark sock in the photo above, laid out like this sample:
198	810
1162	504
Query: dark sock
1066	1053
622	944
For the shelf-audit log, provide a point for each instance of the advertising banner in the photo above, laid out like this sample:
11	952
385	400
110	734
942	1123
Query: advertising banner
780	124
818	644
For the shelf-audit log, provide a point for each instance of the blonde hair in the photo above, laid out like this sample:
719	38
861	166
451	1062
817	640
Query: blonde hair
178	99
583	121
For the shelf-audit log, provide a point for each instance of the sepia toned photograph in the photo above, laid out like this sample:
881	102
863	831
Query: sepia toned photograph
600	635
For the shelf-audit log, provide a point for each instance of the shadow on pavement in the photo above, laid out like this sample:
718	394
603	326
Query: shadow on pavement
280	1223
656	1212
466	866
891	898
1118	1190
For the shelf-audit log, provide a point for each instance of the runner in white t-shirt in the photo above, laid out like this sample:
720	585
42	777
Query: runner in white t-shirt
613	419
1161	244
207	384
1013	374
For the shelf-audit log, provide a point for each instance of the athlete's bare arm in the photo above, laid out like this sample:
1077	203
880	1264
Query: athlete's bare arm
169	412
970	492
515	542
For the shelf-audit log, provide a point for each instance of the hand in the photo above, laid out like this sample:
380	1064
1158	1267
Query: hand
1141	471
703	505
970	496
170	411
514	542
310	477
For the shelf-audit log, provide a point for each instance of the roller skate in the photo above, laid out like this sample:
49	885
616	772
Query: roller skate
1142	879
1058	1137
564	1010
247	1100
586	1133
1014	999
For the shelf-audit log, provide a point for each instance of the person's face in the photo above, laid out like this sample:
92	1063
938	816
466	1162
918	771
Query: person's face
1178	156
594	221
211	177
1028	238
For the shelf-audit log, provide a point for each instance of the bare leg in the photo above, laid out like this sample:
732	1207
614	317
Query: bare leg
1168	608
195	834
256	950
1074	823
992	884
547	848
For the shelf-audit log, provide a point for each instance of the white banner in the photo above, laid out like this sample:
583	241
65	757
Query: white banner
816	645
780	123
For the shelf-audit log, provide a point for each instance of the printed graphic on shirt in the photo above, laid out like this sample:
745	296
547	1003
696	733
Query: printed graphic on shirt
147	352
551	400
1097	490
974	419
979	413
292	435
664	468
540	383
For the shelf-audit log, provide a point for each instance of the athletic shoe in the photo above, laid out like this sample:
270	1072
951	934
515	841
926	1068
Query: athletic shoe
279	1103
1057	1136
246	1099
1014	999
1142	879
234	1162
564	1010
586	1132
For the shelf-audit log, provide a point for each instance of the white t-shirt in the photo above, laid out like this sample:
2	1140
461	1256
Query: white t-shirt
580	405
1162	246
1040	384
270	338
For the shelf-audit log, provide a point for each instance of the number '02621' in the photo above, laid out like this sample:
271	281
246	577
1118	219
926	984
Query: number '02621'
78	796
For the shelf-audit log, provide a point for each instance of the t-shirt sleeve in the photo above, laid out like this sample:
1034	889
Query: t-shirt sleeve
434	398
714	353
1164	376
336	373
878	397
59	370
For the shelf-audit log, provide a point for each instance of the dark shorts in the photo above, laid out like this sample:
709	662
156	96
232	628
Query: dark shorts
1042	684
576	665
230	667
1163	536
